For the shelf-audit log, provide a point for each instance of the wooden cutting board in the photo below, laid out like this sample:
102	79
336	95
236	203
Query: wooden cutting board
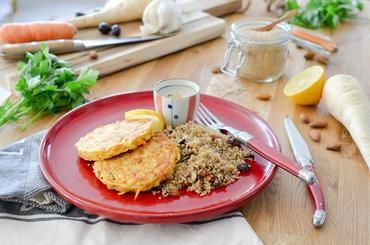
199	25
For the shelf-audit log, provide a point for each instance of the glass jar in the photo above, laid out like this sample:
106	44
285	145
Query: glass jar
257	55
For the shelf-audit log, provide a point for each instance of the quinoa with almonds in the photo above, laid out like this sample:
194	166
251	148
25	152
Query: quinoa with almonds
209	160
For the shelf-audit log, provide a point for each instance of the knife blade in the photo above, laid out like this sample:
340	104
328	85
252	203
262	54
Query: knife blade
303	157
63	46
311	46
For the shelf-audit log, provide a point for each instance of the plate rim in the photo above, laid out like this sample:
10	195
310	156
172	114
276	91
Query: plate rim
78	201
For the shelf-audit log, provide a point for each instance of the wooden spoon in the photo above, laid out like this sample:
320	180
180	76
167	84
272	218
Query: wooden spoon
286	16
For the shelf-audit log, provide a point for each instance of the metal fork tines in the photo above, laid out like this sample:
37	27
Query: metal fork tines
207	118
204	116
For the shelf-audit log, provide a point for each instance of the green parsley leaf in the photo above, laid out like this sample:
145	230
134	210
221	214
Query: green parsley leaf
47	85
324	13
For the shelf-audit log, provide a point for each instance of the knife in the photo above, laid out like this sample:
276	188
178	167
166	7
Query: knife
311	46
63	46
303	157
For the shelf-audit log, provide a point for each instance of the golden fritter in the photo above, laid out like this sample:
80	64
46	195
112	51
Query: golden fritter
141	169
113	139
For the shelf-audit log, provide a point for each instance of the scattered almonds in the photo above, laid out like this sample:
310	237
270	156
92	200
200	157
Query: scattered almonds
299	47
322	59
309	55
216	69
263	96
334	147
304	118
93	55
314	135
319	124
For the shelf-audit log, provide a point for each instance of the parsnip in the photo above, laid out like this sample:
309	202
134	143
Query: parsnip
347	102
4	95
115	11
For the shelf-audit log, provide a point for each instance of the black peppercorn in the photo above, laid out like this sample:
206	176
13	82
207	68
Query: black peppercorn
104	28
116	30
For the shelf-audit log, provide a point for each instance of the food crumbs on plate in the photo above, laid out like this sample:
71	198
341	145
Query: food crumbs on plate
206	162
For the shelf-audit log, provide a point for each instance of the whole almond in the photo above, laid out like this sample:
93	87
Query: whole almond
216	69
263	96
322	59
309	55
314	135
304	118
93	55
319	124
334	147
298	47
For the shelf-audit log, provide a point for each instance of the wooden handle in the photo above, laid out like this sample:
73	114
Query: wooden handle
326	44
56	46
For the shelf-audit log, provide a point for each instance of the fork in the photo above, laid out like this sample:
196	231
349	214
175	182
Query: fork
205	117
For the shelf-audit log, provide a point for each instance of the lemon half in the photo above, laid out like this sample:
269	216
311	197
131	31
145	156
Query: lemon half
157	118
305	87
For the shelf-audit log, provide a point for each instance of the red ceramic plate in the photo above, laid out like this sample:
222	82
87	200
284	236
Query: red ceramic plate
74	179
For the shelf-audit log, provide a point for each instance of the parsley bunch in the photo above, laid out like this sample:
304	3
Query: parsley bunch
324	13
47	85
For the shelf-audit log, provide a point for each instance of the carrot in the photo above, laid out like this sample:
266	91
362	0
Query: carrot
36	31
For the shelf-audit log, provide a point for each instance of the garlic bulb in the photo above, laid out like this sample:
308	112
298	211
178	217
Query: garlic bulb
161	16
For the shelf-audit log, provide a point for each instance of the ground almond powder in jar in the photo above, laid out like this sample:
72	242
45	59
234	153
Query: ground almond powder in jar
261	54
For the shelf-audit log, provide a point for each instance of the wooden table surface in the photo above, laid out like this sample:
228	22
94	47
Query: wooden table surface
282	213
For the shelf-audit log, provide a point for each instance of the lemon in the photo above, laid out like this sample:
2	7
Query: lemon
305	87
157	118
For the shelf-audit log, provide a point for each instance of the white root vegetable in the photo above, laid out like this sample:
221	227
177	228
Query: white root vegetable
4	95
347	102
161	16
115	11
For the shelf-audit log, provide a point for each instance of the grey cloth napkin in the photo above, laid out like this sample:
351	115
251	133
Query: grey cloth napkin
21	180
